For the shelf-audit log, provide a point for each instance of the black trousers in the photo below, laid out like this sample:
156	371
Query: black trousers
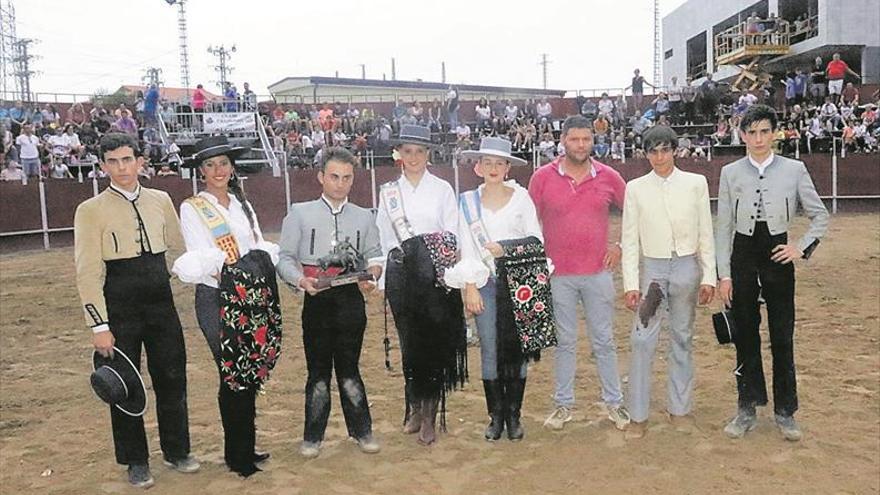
333	323
754	274
141	313
237	407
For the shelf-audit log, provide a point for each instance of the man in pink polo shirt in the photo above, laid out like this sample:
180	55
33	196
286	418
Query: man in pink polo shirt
573	195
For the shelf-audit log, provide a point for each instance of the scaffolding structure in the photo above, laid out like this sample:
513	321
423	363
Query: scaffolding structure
8	39
744	47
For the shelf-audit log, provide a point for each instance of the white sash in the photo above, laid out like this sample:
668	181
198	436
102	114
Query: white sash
472	209
392	199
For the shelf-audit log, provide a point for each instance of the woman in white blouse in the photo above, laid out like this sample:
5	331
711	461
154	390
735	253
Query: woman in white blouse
498	210
236	293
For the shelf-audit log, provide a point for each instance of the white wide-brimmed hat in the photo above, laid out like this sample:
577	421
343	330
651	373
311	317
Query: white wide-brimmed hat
494	146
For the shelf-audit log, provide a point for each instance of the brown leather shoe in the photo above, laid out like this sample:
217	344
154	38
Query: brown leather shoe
635	431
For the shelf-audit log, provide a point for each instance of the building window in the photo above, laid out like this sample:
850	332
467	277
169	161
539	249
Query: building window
668	54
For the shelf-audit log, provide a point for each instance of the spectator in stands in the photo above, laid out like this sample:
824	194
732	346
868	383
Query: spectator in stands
722	131
791	138
639	123
511	111
166	171
118	112
452	107
199	99
815	131
606	107
544	110
173	153
76	114
139	103
747	99
19	117
619	114
126	124
483	114
12	172
829	113
661	105
850	95
601	148
818	82
5	139
151	105
528	110
59	170
674	94
73	142
688	101
708	98
249	99
29	147
618	147
684	148
463	135
638	89
791	99
4	117
589	109
146	171
166	110
836	72
230	98
601	126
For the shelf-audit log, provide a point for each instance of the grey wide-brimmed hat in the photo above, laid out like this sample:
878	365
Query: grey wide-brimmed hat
496	147
414	134
116	381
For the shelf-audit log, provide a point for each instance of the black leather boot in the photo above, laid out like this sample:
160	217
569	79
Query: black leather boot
495	408
513	395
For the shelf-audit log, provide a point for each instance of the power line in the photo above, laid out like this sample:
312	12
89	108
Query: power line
23	66
544	62
657	45
151	77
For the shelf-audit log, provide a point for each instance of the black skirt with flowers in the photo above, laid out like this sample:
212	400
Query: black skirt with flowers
250	321
525	322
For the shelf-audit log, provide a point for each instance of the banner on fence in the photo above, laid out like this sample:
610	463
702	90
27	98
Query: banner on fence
230	122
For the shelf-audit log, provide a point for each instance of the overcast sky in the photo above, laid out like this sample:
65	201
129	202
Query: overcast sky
85	45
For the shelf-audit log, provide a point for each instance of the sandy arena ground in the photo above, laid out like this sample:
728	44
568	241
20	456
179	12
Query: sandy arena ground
55	434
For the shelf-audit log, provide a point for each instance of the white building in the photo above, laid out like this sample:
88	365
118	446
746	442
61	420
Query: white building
850	27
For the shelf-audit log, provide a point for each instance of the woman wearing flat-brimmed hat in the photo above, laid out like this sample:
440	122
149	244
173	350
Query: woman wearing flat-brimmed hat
237	304
417	222
504	275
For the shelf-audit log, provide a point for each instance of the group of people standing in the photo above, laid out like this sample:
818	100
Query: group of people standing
519	260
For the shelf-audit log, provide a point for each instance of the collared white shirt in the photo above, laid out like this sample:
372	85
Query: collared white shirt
429	206
330	204
515	220
203	259
666	217
131	196
762	165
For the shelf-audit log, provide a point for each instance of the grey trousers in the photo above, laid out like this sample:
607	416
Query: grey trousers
669	289
596	293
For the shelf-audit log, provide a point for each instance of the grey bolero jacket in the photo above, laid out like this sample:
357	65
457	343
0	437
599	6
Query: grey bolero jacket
784	184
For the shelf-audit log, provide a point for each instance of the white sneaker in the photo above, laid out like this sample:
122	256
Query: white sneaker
310	450
557	420
619	416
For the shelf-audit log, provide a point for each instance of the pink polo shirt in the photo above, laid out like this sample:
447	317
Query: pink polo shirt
574	217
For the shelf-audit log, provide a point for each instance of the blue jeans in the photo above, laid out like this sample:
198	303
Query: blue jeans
488	333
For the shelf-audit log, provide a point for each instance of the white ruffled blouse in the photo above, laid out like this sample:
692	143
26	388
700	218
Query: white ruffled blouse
203	260
515	220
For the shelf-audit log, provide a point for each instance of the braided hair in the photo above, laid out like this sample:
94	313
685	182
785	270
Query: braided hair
238	192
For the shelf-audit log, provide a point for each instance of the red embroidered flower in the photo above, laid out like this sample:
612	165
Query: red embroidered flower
260	335
222	312
264	293
242	320
263	372
242	292
523	293
542	278
270	355
254	355
539	306
228	364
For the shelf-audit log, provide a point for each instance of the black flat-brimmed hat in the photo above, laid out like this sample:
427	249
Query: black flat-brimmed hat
117	382
725	326
414	134
210	147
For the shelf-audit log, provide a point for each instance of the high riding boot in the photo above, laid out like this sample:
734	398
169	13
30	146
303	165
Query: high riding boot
495	407
237	410
427	432
413	423
513	397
